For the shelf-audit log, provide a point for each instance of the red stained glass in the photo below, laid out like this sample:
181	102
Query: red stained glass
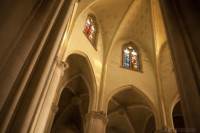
90	29
86	29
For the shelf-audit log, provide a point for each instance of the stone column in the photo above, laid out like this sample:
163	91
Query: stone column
31	102
52	113
20	63
166	129
160	39
96	122
181	19
48	104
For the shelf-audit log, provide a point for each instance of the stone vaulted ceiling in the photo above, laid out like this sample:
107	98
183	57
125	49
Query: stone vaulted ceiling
126	20
129	112
110	14
123	20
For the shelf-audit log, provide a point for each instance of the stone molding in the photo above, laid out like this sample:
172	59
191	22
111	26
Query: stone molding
54	108
166	129
97	115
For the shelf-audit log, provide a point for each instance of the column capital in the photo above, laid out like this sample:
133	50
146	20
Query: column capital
61	64
97	115
166	129
54	108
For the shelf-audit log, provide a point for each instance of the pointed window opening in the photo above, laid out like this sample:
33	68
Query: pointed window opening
131	57
90	30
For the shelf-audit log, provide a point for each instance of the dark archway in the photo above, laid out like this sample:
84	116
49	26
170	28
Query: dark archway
130	112
77	96
73	106
178	118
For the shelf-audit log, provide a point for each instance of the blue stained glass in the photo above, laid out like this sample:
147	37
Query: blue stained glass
127	61
127	64
130	57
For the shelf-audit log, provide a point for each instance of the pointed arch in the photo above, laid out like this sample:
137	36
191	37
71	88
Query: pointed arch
91	84
150	106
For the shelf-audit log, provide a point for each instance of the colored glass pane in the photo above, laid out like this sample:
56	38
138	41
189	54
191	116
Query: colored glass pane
92	33
90	29
87	26
127	61
86	29
130	58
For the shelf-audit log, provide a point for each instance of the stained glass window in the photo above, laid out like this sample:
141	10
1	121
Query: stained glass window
130	57
90	29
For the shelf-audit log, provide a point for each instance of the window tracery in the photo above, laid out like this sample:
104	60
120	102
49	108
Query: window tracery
90	29
130	57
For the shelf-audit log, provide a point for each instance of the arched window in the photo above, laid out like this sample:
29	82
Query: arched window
130	57
90	29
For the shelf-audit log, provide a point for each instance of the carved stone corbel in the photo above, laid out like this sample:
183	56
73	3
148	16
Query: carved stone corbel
61	64
97	115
